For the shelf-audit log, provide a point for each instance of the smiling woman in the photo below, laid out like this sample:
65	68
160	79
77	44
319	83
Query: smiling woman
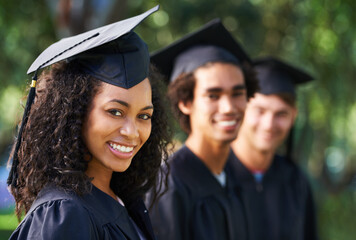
86	155
115	129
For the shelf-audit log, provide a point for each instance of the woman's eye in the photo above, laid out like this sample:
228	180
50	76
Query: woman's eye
145	116
115	112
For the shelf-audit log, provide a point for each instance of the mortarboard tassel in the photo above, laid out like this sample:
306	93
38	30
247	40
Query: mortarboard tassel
12	179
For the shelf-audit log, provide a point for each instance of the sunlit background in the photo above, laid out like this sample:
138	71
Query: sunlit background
316	35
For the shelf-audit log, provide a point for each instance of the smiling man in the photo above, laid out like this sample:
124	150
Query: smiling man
275	194
210	83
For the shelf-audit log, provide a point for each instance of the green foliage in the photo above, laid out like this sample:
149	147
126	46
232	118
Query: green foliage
8	222
337	216
25	30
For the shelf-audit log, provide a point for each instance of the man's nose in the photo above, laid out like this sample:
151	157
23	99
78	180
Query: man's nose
227	104
268	121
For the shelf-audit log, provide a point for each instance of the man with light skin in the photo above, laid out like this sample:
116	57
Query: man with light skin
275	193
210	83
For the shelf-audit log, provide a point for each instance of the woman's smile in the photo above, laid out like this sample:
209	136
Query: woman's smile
121	148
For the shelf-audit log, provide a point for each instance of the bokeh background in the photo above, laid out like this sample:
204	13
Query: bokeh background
316	35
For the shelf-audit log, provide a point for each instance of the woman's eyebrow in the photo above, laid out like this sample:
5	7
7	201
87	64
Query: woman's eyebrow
128	105
120	102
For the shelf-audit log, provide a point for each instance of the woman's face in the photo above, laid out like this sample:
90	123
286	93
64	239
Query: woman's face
117	125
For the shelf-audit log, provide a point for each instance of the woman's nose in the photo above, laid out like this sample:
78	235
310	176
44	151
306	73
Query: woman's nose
129	129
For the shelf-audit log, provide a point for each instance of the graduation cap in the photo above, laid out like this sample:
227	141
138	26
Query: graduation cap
112	53
276	76
210	43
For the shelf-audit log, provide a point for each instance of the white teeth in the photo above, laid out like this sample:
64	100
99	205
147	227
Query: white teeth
227	123
121	148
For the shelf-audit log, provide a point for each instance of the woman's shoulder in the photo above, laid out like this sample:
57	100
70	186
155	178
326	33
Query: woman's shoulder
52	198
55	214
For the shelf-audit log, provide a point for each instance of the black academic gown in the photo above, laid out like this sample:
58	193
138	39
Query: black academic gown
196	206
58	215
281	206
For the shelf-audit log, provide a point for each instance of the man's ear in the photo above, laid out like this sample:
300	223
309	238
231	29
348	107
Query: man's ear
295	114
185	107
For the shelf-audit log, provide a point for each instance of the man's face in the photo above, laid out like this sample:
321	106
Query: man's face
219	102
267	122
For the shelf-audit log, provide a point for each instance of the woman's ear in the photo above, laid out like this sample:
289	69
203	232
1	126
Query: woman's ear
185	107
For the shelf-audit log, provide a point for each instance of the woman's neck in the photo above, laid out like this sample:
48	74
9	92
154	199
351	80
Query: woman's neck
101	179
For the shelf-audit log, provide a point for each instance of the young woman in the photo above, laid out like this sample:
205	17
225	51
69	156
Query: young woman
87	155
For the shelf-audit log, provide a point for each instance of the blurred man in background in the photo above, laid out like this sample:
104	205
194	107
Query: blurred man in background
210	84
275	193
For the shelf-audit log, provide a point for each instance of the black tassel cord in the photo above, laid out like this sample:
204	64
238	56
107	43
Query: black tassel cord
12	179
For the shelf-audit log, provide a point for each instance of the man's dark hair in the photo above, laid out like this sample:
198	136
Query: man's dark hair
288	98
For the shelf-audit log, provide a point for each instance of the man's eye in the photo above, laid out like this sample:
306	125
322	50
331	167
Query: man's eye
213	96
260	110
115	112
282	114
238	94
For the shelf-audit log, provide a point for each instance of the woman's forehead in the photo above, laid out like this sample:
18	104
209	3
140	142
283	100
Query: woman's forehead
140	94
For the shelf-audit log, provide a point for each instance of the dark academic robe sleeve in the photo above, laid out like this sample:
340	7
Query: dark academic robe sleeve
54	221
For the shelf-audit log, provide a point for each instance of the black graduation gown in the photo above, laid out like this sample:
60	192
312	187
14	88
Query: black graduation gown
281	206
57	214
196	206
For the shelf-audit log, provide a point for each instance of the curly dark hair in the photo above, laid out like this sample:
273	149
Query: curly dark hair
52	149
182	89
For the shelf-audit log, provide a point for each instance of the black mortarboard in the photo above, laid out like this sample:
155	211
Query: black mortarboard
210	43
276	76
112	53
